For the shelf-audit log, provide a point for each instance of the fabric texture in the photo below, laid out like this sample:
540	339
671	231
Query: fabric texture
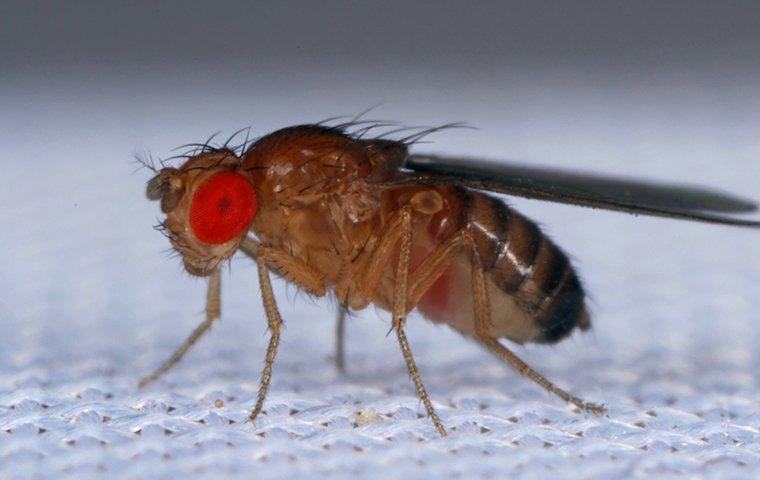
90	304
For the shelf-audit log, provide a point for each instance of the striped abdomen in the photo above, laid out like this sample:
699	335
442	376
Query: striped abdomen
525	264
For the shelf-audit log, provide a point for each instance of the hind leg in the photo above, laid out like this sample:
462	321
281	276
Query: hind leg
433	267
482	331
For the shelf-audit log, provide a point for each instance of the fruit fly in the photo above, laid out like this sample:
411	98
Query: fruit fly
367	221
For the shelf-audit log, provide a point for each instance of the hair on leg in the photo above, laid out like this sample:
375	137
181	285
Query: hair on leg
482	329
274	320
399	319
213	313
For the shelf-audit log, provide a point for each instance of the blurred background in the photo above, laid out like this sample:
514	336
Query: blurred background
659	90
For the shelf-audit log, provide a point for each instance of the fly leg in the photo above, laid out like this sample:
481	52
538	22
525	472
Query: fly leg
399	229
482	331
340	326
433	266
213	313
340	337
382	254
294	270
400	299
274	321
283	263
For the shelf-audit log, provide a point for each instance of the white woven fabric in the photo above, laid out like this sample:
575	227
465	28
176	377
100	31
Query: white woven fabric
90	304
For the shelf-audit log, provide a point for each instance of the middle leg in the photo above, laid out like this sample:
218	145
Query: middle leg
400	299
340	338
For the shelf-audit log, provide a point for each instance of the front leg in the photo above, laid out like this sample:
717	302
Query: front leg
213	313
274	320
294	270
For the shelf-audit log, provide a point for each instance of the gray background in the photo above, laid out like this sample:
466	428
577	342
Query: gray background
89	303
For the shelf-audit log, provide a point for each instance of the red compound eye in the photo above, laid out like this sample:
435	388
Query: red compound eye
222	208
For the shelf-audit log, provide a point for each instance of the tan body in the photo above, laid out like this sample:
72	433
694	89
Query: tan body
326	199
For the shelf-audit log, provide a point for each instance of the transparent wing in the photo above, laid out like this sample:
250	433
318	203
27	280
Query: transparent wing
609	193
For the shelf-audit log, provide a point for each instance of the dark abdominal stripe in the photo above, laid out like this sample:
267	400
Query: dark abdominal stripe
525	264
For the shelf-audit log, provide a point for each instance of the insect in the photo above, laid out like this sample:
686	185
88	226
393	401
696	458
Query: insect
367	221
